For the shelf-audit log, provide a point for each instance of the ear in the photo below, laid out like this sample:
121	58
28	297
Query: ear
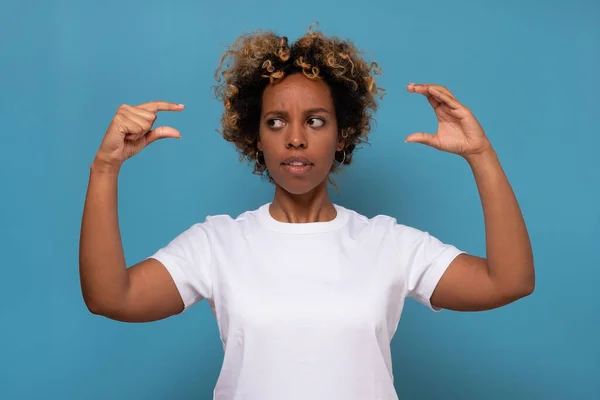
259	145
340	145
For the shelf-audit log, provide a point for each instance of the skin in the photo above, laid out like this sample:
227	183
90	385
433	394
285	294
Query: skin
292	125
145	292
298	119
507	273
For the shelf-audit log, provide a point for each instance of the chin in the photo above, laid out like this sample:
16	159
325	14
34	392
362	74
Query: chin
299	185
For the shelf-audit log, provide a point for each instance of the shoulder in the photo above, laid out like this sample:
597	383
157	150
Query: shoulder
377	222
223	224
382	225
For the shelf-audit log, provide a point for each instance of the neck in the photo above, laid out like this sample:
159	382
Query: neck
314	206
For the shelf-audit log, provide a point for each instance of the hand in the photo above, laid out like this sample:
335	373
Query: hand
458	131
131	130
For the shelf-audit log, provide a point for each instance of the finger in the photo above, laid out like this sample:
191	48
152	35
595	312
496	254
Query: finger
423	88
144	124
418	87
442	89
439	88
423	138
155	106
444	98
434	103
148	115
127	126
162	132
412	87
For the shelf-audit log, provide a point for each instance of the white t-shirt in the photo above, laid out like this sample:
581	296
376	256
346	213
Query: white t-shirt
305	310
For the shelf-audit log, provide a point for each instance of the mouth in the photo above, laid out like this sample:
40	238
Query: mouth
297	165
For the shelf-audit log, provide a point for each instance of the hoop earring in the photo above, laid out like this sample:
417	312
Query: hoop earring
258	155
343	159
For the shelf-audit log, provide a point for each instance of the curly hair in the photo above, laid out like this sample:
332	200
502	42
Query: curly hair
254	60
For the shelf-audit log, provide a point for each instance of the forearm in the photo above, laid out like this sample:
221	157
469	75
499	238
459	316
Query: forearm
508	248
102	263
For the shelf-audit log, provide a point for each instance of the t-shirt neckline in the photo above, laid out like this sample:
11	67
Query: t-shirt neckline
271	223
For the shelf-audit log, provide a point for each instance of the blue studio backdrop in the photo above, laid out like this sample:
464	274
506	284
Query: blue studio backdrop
527	69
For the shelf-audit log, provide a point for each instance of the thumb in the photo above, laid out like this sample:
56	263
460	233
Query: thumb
162	132
423	138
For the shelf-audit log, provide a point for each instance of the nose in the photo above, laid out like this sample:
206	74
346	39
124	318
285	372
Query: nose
296	137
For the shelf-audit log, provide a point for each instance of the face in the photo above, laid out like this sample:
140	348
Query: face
298	133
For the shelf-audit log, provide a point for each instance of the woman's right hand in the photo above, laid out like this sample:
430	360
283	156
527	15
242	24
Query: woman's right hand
131	130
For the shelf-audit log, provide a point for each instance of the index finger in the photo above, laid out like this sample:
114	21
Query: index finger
154	106
443	97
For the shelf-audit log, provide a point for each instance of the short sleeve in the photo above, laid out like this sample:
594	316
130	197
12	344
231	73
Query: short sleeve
188	259
426	258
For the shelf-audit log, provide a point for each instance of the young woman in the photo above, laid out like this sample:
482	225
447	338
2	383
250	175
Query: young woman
307	294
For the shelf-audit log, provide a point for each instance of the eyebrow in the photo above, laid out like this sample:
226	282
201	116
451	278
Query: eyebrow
286	114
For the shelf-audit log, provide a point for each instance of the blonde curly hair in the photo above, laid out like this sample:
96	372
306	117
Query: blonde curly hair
254	60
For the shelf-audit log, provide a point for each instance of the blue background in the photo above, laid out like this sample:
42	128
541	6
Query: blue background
528	70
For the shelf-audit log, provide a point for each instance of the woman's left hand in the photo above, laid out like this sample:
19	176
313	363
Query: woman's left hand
458	131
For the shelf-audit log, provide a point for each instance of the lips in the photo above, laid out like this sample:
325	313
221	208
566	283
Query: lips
297	161
297	165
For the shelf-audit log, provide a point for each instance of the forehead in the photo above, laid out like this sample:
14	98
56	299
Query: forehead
297	91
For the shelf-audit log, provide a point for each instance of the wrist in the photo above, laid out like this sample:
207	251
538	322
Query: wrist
483	156
101	165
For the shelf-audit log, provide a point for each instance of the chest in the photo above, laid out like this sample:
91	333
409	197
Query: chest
329	284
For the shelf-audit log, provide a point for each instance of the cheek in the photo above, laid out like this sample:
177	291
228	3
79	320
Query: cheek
270	150
265	142
333	144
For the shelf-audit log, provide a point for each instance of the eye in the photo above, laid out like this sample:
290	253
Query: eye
275	123
316	122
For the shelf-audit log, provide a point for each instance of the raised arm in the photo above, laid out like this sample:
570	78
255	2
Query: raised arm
507	273
145	292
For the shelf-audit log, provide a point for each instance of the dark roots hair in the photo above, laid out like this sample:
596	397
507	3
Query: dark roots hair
257	59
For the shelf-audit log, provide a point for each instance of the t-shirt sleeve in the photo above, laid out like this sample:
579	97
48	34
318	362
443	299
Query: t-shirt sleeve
426	258
188	258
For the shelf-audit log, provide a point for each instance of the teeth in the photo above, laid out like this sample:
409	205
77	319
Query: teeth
297	163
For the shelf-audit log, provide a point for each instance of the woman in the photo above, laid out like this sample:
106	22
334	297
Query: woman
307	294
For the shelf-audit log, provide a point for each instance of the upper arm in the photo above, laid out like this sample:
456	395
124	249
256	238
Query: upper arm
441	276
174	278
151	294
466	285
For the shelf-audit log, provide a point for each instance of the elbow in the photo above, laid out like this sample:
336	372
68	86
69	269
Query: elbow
91	302
528	283
525	290
96	310
94	307
521	289
105	311
529	287
98	307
